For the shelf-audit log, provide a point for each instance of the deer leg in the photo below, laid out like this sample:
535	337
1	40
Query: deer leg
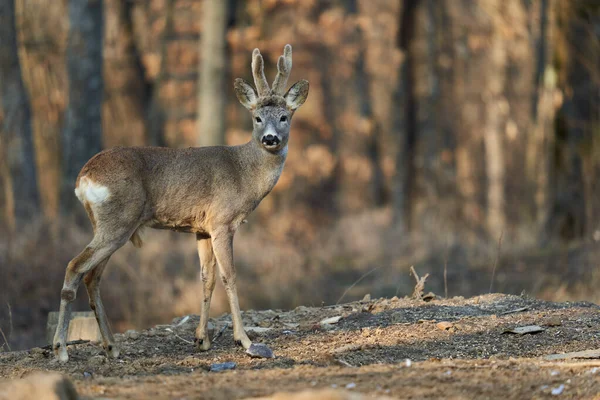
207	271
92	283
87	260
223	248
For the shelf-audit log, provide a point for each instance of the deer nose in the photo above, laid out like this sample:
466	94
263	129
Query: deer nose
270	140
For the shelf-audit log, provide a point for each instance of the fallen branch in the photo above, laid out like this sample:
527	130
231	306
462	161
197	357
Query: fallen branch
71	343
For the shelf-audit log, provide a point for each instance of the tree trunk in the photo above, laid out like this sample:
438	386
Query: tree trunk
82	134
496	109
16	127
213	65
406	124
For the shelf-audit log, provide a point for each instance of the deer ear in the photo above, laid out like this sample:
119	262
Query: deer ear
245	94
296	95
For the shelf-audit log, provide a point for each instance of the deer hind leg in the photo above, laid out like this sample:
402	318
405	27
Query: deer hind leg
207	270
92	283
223	248
86	261
112	232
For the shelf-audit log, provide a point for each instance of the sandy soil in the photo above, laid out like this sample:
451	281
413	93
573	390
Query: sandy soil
456	349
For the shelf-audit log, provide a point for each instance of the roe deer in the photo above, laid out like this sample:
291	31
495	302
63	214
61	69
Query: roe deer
208	191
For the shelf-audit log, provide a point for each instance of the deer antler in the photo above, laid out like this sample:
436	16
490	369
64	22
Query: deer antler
259	74
284	67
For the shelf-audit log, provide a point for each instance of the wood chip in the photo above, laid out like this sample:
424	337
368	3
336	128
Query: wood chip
444	325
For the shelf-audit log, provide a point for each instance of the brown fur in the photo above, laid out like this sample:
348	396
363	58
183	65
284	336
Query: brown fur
208	191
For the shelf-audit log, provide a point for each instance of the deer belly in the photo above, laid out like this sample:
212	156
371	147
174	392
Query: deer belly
190	224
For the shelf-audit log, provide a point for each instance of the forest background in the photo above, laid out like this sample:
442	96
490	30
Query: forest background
458	136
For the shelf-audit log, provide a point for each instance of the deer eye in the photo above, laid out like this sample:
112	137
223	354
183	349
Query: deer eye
258	120
284	118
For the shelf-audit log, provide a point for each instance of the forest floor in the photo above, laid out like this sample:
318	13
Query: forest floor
446	348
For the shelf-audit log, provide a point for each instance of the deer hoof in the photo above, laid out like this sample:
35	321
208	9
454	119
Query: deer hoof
112	351
61	353
202	344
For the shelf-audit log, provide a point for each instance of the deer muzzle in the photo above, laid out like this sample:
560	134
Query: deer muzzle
270	139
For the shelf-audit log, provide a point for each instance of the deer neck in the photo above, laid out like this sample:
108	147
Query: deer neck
262	166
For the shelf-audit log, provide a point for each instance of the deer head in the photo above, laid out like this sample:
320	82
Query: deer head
272	108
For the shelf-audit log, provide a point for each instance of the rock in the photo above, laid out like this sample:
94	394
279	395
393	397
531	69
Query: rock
132	334
331	320
367	297
96	360
522	330
222	366
259	350
444	325
39	386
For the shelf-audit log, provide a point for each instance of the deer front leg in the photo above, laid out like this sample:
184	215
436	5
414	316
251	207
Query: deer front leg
223	248
207	271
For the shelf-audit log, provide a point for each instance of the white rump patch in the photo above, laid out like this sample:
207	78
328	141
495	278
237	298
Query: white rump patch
90	191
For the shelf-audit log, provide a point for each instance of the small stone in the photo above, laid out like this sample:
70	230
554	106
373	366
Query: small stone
259	350
87	375
554	321
151	333
223	366
97	360
367	297
132	334
444	325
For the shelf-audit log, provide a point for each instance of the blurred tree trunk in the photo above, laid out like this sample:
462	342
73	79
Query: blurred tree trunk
213	66
125	91
82	134
497	107
16	130
406	122
540	143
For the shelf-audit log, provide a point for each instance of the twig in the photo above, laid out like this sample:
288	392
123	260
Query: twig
355	283
516	310
446	271
344	363
420	285
496	260
218	334
5	341
185	340
71	343
10	319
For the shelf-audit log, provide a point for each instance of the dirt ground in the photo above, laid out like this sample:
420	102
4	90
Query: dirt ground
454	349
